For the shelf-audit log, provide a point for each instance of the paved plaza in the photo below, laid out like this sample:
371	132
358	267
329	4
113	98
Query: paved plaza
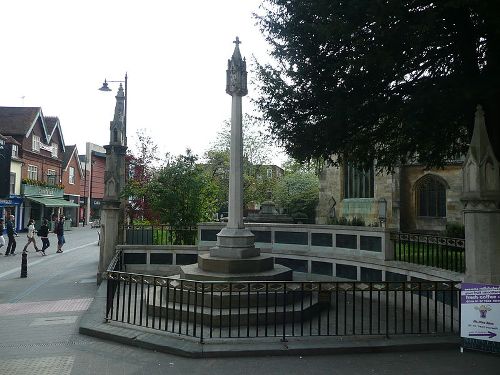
40	316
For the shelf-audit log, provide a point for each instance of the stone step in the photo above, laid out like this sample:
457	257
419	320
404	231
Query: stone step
301	310
233	298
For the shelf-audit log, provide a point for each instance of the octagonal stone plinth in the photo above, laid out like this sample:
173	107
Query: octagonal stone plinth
230	265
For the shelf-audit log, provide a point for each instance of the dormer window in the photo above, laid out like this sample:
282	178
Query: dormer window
35	143
54	150
15	151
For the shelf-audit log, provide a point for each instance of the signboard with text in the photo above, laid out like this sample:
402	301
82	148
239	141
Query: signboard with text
480	317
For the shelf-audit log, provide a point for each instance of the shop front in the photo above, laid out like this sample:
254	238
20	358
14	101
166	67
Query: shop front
12	206
44	202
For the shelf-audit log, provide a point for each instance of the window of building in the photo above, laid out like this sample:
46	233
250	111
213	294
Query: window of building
431	197
358	183
12	189
269	173
32	172
35	143
71	178
54	150
51	177
15	151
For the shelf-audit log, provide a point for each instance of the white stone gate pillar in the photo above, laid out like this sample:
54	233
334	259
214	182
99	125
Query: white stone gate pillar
481	197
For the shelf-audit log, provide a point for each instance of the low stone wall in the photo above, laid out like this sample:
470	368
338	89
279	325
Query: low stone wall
332	240
312	264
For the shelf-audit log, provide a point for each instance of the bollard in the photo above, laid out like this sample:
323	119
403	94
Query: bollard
24	265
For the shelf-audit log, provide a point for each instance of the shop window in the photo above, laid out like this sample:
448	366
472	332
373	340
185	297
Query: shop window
12	189
71	179
431	197
358	183
32	172
35	143
51	177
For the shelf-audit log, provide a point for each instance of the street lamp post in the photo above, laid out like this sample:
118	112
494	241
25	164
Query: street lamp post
106	88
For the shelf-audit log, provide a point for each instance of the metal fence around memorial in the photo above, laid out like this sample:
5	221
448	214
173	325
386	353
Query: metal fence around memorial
429	250
159	235
206	310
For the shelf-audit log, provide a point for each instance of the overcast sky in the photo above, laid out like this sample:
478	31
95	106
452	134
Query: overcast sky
56	54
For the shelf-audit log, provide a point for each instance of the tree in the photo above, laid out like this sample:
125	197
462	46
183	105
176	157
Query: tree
257	152
390	80
142	163
298	194
180	192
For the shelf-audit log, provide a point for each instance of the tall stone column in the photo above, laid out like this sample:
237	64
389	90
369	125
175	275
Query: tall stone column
481	197
113	206
235	256
234	241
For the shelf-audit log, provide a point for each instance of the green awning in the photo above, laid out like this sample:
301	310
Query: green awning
53	202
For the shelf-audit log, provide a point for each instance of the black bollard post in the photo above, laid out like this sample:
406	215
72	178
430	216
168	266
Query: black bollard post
24	265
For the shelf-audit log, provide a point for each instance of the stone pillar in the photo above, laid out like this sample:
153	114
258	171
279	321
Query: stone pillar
481	197
113	206
235	256
234	241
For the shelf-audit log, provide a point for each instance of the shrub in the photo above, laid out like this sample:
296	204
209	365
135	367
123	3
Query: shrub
454	230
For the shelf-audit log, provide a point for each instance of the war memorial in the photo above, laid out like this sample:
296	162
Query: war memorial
267	287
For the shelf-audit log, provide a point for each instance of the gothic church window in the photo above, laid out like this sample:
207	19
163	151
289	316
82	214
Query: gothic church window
358	183
431	197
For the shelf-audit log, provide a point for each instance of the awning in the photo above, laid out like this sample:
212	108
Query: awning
52	202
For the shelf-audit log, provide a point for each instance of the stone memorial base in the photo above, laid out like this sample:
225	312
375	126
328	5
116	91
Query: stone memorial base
235	258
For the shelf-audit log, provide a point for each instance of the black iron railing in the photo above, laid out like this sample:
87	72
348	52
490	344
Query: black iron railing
441	252
159	235
282	309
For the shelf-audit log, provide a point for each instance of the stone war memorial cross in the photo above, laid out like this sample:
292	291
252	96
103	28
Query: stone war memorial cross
235	257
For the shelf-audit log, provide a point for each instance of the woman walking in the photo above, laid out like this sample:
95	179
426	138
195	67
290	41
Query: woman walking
43	232
31	236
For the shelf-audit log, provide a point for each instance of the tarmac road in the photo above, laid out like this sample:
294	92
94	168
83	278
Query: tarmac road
39	330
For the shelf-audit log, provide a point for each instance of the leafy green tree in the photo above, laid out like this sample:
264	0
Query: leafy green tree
181	193
257	152
298	194
385	80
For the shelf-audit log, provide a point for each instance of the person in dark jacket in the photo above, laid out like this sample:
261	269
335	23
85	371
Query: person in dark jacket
11	233
59	230
43	232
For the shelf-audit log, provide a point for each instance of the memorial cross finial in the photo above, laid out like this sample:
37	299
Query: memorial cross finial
237	41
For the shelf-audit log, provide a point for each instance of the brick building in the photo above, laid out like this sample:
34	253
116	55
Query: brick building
92	188
72	176
40	149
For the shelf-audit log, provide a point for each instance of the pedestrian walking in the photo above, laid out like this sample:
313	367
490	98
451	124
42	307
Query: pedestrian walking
43	232
11	233
2	238
59	230
31	236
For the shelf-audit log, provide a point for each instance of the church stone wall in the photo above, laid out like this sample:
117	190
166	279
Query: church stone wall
398	189
452	175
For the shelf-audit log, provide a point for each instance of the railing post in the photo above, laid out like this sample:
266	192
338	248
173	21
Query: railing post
389	245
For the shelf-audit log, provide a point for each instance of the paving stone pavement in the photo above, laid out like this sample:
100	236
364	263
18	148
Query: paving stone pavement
40	316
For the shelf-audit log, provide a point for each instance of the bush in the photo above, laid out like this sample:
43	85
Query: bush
355	221
454	230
